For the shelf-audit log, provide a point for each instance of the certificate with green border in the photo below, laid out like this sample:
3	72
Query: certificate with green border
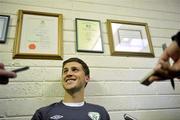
88	35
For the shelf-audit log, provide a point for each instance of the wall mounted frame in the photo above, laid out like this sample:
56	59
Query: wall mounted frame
4	23
129	38
38	35
88	36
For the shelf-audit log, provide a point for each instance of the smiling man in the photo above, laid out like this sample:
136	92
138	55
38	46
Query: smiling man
75	76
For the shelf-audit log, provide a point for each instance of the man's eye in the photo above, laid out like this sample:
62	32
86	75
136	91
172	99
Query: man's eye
65	71
74	69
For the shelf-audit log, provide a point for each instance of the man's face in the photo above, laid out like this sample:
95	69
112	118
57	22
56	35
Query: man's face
74	77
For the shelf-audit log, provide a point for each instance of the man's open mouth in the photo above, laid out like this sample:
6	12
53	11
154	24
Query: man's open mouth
69	80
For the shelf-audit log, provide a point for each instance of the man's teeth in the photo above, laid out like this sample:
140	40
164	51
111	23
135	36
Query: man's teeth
69	80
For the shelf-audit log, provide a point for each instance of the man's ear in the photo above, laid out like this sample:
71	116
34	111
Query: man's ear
87	78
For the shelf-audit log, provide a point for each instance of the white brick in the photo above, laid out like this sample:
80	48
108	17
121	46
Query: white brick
118	88
53	89
139	102
21	90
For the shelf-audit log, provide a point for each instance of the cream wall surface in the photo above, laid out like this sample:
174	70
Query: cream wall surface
114	79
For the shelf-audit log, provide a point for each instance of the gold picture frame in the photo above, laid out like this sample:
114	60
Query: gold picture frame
38	35
129	38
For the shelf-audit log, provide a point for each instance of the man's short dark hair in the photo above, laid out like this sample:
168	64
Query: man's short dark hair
84	65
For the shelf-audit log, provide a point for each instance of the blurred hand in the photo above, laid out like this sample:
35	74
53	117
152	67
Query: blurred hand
163	70
5	75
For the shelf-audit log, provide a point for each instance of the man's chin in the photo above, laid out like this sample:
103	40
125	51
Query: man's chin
69	87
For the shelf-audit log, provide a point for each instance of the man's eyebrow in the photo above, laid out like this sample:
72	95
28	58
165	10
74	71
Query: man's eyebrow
74	67
70	67
64	68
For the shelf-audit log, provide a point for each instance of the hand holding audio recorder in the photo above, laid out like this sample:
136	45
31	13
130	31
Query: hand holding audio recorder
4	77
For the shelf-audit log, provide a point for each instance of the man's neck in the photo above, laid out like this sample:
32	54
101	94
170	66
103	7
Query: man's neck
74	98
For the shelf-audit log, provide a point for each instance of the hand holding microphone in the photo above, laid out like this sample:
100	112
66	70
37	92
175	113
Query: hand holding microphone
5	75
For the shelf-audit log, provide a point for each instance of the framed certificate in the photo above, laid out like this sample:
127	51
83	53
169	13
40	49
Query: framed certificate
38	35
4	23
129	38
88	35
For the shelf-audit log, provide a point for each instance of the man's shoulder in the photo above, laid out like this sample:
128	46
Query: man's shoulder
91	105
47	111
97	109
48	107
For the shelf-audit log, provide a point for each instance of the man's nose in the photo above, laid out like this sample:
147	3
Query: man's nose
70	72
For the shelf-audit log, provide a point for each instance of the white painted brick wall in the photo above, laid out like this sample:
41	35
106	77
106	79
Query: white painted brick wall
114	79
